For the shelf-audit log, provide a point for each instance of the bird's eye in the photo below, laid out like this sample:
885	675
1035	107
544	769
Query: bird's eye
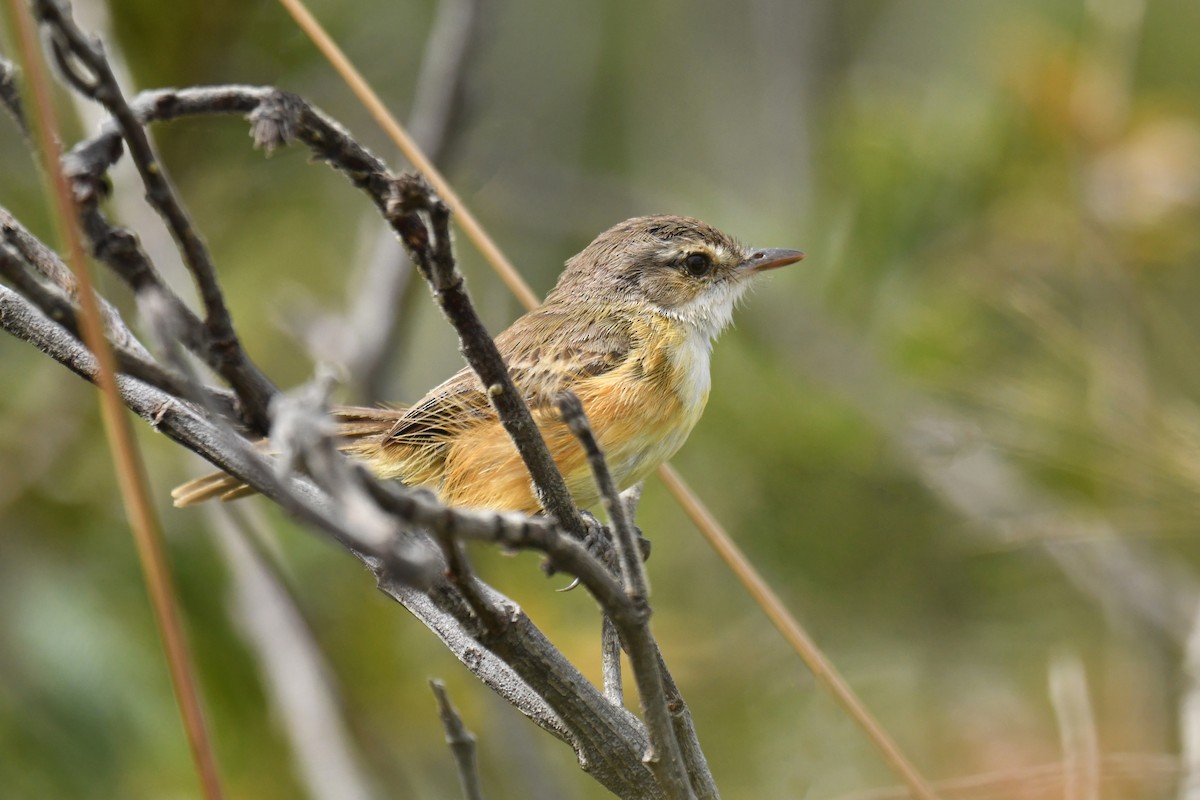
697	264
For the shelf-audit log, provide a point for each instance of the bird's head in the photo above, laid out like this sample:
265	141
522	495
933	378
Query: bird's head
679	267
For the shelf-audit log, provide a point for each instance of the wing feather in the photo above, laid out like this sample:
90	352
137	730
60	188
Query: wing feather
547	351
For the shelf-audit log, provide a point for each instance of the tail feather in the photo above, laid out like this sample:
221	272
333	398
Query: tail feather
359	422
354	425
209	487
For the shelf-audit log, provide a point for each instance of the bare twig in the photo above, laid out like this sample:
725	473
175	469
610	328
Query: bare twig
461	741
85	66
633	623
127	461
459	572
52	271
431	250
610	662
373	324
685	733
633	571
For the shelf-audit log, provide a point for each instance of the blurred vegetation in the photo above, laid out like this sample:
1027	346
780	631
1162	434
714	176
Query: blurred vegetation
1001	206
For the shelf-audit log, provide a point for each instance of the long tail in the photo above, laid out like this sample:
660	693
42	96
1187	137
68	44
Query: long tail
355	423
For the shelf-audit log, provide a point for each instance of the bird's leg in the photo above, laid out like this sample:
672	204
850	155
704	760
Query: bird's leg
599	541
630	497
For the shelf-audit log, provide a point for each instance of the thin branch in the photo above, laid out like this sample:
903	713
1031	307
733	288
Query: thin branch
685	733
47	264
75	51
610	662
460	574
127	460
461	741
372	325
629	556
431	250
681	718
633	623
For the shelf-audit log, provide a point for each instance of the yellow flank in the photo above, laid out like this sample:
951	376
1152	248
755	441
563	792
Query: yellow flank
637	412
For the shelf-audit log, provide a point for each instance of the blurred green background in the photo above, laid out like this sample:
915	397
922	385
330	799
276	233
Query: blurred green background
962	439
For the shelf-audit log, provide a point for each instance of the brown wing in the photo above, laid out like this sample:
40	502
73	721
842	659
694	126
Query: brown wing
547	351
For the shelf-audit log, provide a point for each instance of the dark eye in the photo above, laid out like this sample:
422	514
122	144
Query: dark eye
697	264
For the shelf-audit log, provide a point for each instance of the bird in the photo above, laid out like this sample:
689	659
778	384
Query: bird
628	328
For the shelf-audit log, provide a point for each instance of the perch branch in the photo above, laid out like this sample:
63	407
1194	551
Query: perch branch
520	665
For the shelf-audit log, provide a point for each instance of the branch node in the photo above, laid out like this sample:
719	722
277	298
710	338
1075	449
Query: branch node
272	122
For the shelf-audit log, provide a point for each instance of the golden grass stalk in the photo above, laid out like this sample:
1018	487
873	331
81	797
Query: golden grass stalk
127	462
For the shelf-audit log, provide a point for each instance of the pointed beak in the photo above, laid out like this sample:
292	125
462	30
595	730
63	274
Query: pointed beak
762	260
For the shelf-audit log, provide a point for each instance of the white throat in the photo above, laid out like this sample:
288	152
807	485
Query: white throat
703	318
711	312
